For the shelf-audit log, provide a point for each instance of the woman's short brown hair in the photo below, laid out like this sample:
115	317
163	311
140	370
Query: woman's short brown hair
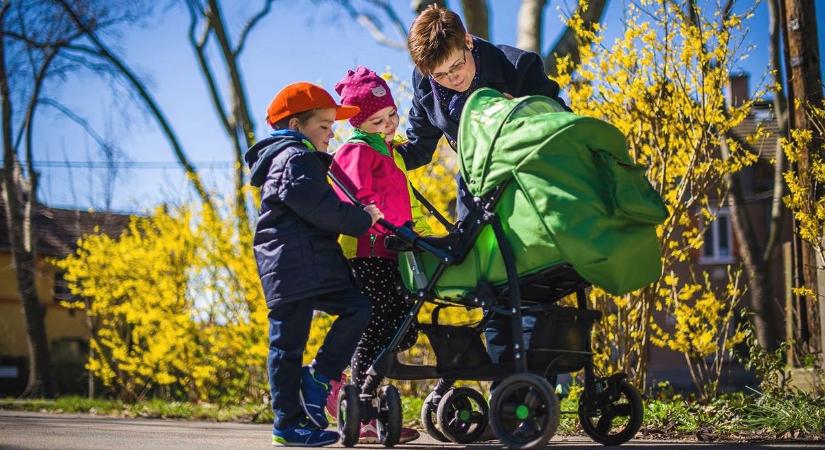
434	35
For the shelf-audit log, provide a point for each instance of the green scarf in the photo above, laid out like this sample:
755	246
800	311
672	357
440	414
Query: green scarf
374	140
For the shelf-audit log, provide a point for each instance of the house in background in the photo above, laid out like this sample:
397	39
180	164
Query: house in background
720	249
58	231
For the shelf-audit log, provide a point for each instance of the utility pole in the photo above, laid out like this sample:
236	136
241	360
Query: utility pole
805	85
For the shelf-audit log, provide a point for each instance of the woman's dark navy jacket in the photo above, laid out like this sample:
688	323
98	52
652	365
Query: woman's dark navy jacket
296	237
503	68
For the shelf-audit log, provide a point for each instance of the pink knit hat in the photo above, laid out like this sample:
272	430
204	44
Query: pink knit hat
365	89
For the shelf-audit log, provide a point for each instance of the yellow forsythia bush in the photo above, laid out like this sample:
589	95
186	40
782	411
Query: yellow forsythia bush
176	307
662	83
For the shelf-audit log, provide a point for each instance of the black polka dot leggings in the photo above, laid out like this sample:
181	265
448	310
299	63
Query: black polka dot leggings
379	279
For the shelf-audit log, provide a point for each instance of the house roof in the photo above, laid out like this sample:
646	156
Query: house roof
761	115
58	230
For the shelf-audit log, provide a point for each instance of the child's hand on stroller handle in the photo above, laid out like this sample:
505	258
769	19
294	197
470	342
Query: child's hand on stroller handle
374	213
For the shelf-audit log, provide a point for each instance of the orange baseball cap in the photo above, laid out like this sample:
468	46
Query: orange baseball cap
302	96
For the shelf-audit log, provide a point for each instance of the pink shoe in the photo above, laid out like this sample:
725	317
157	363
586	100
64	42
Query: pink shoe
369	434
334	392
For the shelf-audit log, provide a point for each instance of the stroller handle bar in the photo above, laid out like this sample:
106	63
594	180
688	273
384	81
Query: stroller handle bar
404	233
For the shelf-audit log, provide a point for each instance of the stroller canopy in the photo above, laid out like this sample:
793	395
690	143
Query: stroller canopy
570	194
595	205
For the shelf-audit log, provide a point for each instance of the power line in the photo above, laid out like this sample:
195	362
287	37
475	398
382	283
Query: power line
131	164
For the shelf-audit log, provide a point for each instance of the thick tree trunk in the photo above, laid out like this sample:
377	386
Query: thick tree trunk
476	18
40	382
760	286
528	29
805	84
17	197
237	122
756	257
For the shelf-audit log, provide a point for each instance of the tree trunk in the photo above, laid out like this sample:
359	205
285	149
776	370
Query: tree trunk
241	120
756	258
476	16
238	124
760	286
805	81
40	381
91	324
528	29
18	196
420	5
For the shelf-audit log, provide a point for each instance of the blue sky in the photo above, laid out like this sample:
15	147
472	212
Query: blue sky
299	40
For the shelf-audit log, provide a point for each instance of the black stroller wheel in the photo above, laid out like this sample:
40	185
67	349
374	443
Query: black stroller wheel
615	417
462	415
349	415
428	419
524	411
388	423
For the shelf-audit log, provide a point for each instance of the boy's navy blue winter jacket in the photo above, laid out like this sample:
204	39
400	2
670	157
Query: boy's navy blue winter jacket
296	237
503	68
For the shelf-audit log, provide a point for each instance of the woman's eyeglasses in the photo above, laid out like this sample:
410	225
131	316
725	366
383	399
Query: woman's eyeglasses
455	68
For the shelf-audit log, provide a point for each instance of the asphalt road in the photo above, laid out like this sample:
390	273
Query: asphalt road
21	430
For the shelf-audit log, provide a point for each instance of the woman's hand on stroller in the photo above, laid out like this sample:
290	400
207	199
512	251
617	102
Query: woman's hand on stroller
374	213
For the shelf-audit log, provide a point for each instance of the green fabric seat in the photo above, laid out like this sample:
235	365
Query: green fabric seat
573	196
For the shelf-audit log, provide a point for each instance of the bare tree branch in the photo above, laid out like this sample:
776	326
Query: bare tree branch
250	24
74	117
240	110
241	126
140	88
198	45
395	19
372	25
28	124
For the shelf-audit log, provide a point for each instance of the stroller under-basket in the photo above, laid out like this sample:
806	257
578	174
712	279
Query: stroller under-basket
519	251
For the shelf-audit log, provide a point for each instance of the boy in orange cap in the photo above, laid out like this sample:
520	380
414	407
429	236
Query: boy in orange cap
300	263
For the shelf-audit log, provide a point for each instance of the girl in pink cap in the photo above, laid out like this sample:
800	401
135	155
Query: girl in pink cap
377	175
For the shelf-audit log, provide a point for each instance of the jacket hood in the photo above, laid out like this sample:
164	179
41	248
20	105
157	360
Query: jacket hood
260	155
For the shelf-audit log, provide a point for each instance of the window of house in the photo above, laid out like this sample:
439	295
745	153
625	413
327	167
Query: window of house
718	248
61	287
763	115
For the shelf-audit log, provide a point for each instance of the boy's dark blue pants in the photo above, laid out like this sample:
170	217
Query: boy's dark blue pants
289	326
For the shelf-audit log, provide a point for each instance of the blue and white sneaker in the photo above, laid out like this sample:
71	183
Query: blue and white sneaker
303	435
314	391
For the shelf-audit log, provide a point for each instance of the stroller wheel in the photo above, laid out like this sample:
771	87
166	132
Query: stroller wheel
463	415
349	415
615	416
524	411
389	416
428	412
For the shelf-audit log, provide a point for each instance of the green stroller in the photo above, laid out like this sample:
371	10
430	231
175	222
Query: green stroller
557	205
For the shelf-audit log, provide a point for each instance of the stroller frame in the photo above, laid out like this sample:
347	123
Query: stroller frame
599	393
387	365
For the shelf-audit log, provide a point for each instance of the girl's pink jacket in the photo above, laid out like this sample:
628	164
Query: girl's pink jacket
374	178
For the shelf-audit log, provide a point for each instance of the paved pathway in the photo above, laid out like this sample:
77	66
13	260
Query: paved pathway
22	430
